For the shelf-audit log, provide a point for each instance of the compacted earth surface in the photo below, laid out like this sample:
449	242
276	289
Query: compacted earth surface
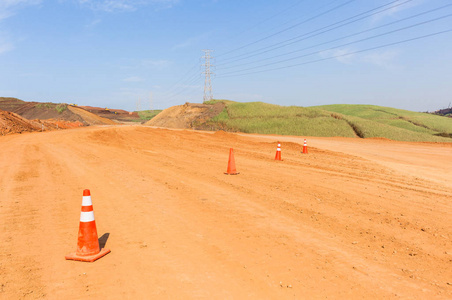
351	219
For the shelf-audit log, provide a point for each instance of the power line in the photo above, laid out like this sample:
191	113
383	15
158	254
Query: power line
343	55
311	34
173	90
346	44
268	19
337	39
182	85
172	99
291	27
182	88
182	79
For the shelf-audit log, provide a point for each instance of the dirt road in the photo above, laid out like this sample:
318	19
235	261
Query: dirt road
351	219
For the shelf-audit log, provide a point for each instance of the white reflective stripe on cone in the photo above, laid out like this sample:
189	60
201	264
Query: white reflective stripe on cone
87	216
86	201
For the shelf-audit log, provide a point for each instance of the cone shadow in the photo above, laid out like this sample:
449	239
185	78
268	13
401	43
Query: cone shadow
103	240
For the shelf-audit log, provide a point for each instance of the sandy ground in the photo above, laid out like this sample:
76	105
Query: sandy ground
352	219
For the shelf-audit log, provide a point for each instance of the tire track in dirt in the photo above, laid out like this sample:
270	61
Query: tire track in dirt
312	242
180	228
177	165
20	223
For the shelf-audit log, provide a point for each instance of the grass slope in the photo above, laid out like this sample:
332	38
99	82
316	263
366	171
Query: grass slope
365	121
146	115
258	117
396	124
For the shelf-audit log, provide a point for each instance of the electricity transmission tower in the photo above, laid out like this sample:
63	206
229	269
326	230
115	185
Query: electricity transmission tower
207	71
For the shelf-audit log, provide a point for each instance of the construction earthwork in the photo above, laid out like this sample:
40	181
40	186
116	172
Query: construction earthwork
352	219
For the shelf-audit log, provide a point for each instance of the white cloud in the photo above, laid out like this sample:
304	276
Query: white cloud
191	41
396	9
6	43
93	23
7	7
156	63
341	55
12	3
383	59
5	46
125	5
133	79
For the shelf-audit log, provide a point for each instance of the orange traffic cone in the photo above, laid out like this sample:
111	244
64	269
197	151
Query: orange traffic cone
278	152
231	164
88	244
305	147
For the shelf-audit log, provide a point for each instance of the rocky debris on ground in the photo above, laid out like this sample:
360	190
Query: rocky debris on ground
13	123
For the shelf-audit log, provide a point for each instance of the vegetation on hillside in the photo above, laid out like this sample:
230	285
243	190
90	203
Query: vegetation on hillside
146	115
396	124
365	121
59	107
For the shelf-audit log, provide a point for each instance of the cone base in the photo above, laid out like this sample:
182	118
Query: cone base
88	258
231	173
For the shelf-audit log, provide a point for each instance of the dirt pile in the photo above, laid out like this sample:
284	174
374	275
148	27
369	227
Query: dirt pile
10	104
67	116
119	115
12	123
189	115
90	118
37	110
52	124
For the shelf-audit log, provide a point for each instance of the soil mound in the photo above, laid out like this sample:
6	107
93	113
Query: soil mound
90	118
69	116
12	123
119	115
189	115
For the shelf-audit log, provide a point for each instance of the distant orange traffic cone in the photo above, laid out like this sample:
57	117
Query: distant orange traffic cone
305	147
231	164
88	244
278	152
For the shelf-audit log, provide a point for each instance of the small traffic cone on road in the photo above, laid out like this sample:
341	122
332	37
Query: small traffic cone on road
278	152
305	147
231	164
88	244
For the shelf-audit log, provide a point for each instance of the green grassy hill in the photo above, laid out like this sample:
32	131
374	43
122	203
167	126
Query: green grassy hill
364	121
146	115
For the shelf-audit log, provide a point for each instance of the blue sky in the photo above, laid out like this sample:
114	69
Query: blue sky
123	53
